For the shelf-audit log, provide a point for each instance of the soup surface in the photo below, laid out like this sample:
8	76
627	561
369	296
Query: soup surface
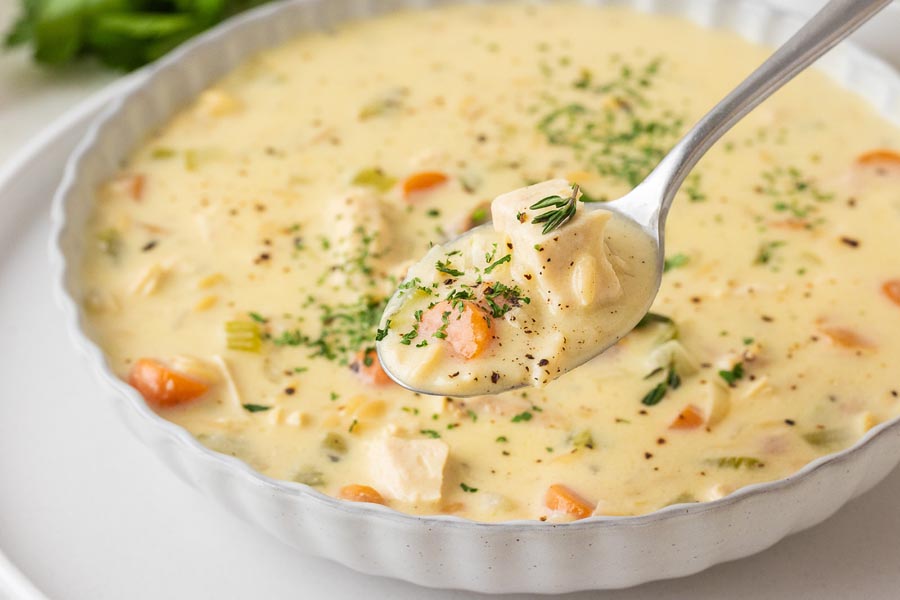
239	265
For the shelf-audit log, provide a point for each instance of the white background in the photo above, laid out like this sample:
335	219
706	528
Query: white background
88	513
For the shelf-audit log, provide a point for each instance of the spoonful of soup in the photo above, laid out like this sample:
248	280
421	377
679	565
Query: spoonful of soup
555	280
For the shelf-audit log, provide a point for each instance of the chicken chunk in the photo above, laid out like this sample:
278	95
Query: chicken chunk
408	470
572	269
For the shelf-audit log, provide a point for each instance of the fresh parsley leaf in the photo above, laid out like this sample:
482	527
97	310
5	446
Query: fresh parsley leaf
675	262
731	377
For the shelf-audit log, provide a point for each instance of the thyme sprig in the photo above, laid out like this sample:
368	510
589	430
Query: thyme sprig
561	210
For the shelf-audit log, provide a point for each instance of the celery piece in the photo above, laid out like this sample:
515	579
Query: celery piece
374	178
110	242
243	336
736	462
334	442
310	477
583	439
682	498
825	437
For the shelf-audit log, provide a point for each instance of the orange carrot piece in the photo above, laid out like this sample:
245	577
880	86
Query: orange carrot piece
131	185
845	338
689	418
891	289
468	331
562	499
419	182
360	493
879	157
163	387
368	367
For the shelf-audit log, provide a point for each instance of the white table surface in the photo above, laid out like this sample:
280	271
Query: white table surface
87	512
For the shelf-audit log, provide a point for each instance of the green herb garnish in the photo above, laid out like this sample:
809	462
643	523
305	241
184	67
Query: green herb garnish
561	210
522	416
468	489
430	433
254	408
674	262
654	396
497	263
731	377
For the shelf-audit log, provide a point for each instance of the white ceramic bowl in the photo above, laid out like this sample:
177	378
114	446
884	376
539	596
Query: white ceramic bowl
444	551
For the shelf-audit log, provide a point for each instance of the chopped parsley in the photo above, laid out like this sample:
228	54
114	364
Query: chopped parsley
674	262
497	263
447	268
732	376
254	408
522	416
467	489
430	433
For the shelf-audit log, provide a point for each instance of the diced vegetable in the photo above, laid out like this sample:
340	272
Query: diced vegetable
561	499
374	178
131	185
891	289
109	241
583	439
825	437
334	442
163	387
419	182
736	462
690	417
243	335
360	493
879	157
464	325
845	338
310	477
368	367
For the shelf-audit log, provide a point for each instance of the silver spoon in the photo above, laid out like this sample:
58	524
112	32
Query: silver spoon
648	204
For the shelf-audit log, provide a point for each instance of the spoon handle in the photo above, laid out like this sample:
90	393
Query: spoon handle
837	20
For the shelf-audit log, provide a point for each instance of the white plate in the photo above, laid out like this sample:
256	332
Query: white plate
149	536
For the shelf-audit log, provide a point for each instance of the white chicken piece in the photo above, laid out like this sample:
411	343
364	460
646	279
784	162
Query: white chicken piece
571	267
408	470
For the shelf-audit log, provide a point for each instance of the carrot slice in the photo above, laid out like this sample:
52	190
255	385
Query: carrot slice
562	499
689	418
163	387
845	338
879	157
468	330
368	367
419	182
891	289
131	185
360	493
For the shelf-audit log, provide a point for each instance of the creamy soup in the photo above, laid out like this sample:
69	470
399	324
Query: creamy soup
239	265
544	289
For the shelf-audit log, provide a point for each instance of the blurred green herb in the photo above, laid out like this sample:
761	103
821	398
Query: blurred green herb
124	34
